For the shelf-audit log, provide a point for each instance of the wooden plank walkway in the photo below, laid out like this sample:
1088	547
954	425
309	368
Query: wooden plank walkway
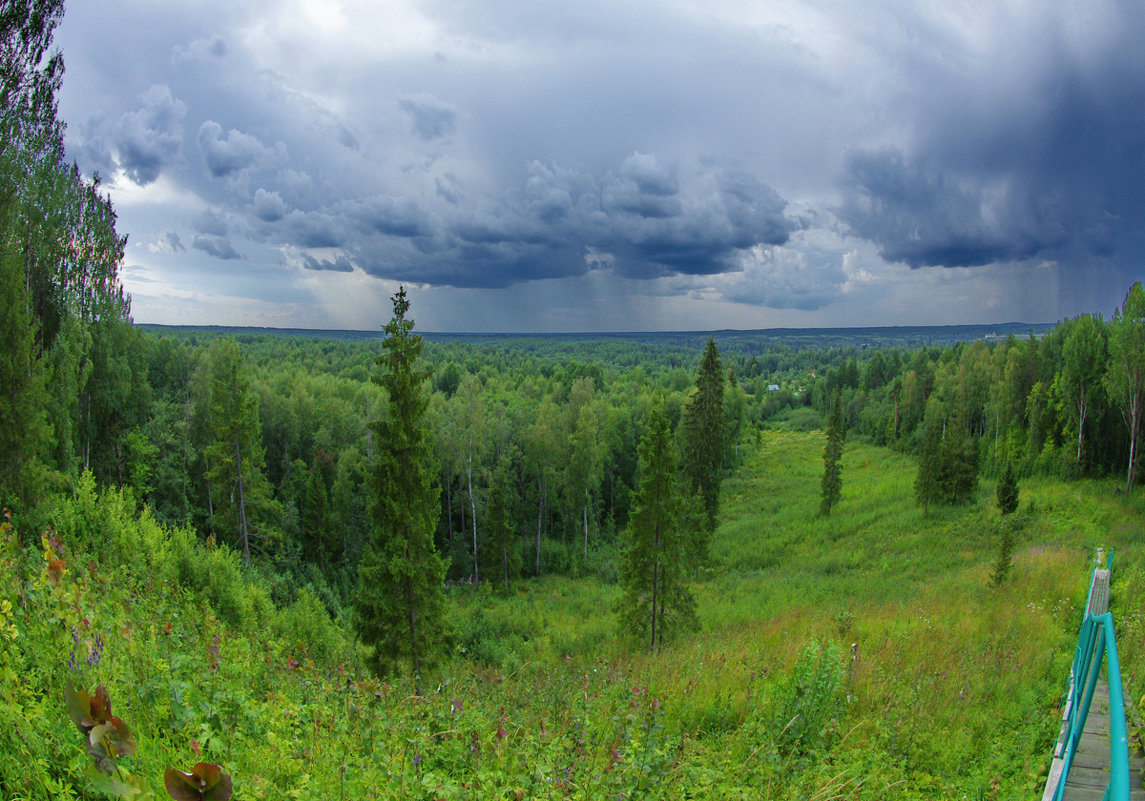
1089	774
1099	593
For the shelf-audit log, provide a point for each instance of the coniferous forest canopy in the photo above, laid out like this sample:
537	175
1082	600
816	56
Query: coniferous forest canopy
389	565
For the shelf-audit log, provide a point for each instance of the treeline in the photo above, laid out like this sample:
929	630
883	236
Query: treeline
1066	404
64	319
267	445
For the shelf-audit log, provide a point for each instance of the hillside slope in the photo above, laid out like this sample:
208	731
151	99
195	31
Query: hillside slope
860	656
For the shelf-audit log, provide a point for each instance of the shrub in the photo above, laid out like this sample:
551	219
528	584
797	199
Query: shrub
810	702
306	626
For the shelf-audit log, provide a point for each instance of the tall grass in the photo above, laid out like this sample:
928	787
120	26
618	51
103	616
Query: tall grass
861	656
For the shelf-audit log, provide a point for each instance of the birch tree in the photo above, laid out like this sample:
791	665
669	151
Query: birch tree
236	462
1125	380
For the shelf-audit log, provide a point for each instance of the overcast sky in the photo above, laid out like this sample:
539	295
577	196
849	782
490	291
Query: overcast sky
533	165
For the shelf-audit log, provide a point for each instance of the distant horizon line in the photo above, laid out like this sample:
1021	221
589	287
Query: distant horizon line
1006	325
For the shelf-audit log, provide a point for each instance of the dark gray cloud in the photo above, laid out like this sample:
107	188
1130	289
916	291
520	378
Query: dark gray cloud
150	138
922	219
644	220
702	155
346	137
210	223
226	155
448	188
998	171
392	216
214	245
806	279
431	118
268	206
314	229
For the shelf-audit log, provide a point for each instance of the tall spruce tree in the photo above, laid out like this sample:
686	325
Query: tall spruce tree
1006	493
318	545
400	603
832	453
659	548
501	558
703	445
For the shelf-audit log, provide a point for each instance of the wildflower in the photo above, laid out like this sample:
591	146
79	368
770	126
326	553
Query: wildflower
96	652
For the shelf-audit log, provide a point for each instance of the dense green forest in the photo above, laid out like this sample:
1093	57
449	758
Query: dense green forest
589	541
551	429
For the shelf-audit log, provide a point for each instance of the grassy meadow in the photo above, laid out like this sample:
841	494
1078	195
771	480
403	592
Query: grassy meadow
859	656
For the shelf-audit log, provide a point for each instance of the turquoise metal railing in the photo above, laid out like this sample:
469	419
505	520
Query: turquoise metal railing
1096	641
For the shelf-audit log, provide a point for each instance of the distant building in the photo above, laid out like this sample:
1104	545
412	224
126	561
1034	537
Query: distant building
772	387
995	337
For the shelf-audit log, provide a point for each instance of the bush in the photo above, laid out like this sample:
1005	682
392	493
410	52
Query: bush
803	418
556	557
810	702
602	562
306	626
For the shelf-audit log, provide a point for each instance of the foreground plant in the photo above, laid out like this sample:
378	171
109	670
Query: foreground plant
108	738
205	782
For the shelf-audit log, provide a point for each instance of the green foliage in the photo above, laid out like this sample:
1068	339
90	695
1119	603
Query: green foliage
807	707
660	549
948	458
832	484
306	627
59	283
1084	356
236	461
23	395
704	437
400	604
1004	561
545	701
317	540
501	554
1125	381
1006	493
108	737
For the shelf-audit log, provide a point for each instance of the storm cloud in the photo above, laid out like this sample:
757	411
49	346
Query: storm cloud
150	138
227	154
214	245
789	164
1003	171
